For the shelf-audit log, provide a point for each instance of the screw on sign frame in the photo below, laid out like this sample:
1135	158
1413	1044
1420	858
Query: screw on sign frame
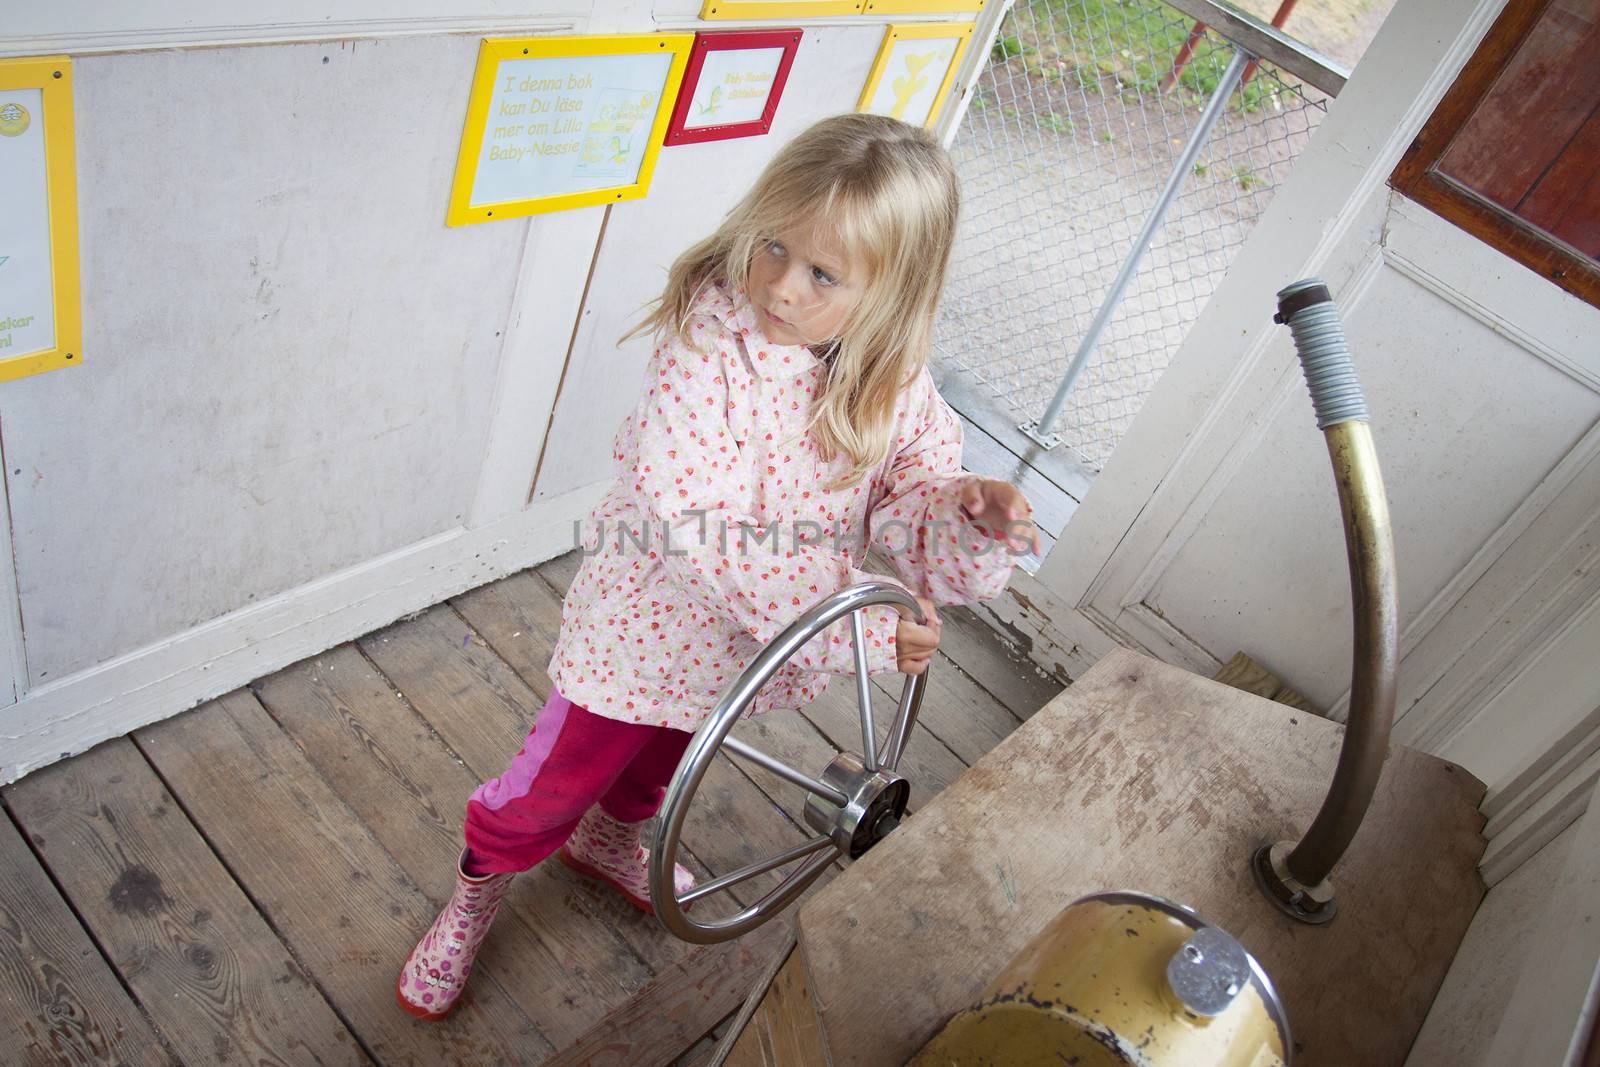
731	41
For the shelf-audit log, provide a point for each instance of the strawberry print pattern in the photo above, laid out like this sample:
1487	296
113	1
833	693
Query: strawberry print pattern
719	532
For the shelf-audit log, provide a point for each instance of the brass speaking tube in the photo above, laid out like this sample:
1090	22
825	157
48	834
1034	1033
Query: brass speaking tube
1296	876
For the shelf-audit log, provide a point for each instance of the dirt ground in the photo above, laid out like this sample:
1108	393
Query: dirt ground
1058	176
1341	29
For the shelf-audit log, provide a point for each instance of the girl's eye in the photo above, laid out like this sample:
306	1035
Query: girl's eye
822	277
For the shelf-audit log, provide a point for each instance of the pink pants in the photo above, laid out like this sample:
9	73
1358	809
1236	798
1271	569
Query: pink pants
571	759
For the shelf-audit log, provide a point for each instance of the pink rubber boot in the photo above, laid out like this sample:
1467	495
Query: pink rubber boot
604	848
436	971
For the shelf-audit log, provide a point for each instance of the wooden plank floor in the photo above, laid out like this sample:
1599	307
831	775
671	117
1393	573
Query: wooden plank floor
240	884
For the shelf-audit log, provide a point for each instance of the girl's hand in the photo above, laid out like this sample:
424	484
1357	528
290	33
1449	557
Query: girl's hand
915	643
1000	510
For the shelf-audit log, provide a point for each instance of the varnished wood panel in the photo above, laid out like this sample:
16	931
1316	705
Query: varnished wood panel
1480	186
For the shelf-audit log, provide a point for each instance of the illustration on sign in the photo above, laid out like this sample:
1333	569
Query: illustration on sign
913	82
622	119
914	70
14	119
733	87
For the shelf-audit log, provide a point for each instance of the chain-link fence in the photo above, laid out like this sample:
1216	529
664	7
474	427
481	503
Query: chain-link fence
1070	136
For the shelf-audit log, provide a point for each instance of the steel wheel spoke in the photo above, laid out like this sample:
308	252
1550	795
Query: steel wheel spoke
858	638
905	718
745	873
786	772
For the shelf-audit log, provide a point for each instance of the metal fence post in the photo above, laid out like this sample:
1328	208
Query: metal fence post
1040	430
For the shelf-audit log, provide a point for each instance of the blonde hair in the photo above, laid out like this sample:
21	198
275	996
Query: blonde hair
885	191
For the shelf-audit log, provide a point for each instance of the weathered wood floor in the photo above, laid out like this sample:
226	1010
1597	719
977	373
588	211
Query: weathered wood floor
240	884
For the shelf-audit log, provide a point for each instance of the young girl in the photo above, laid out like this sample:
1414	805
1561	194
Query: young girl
787	415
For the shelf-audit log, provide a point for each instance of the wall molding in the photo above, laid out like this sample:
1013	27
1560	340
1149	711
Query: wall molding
565	18
74	713
1471	668
1560	803
289	31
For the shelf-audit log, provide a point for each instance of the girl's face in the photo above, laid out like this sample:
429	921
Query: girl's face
802	290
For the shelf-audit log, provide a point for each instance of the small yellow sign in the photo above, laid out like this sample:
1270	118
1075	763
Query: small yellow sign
562	122
40	319
914	69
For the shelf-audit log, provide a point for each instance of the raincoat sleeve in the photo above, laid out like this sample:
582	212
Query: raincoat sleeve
919	523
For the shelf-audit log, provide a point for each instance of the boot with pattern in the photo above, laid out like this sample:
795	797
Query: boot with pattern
436	971
604	848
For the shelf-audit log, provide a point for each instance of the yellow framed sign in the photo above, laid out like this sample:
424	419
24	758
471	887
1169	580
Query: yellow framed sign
40	319
921	7
562	122
712	10
915	67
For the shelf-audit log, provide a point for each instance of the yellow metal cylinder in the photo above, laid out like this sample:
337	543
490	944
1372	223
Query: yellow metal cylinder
1093	989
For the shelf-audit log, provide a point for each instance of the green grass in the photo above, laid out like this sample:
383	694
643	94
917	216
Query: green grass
1245	178
1128	43
1054	123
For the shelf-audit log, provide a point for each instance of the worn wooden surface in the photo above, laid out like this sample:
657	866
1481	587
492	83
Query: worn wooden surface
1142	776
200	958
343	904
654	1027
784	1031
379	756
60	1002
242	882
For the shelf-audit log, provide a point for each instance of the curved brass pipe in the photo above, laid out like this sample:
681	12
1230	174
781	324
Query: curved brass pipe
1369	543
1296	876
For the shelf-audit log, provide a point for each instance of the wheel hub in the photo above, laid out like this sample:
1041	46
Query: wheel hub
877	803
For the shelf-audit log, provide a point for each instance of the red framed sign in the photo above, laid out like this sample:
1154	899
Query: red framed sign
732	84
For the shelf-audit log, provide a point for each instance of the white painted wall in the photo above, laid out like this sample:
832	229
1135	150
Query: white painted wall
1526	965
306	407
287	357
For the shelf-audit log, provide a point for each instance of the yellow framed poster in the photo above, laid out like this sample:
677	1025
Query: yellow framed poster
562	122
780	9
915	67
40	317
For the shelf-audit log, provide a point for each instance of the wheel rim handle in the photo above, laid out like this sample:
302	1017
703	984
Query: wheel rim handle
702	749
